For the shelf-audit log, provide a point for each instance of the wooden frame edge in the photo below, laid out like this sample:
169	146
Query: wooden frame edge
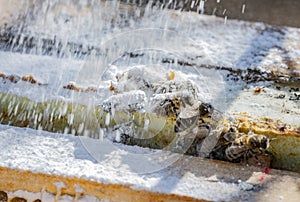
13	180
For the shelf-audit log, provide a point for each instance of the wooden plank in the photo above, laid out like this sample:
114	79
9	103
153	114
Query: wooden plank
12	180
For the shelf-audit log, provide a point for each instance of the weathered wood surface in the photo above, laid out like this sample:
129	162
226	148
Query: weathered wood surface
13	180
270	185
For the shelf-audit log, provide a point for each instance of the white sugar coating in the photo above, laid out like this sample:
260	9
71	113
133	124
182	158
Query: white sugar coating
68	156
124	100
200	40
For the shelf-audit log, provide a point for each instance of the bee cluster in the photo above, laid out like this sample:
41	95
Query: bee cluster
200	130
235	146
208	136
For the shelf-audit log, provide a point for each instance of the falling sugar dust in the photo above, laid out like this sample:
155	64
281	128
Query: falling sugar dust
106	69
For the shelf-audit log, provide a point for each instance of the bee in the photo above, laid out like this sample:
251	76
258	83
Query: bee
196	126
171	107
236	147
173	97
193	125
193	115
205	109
245	146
